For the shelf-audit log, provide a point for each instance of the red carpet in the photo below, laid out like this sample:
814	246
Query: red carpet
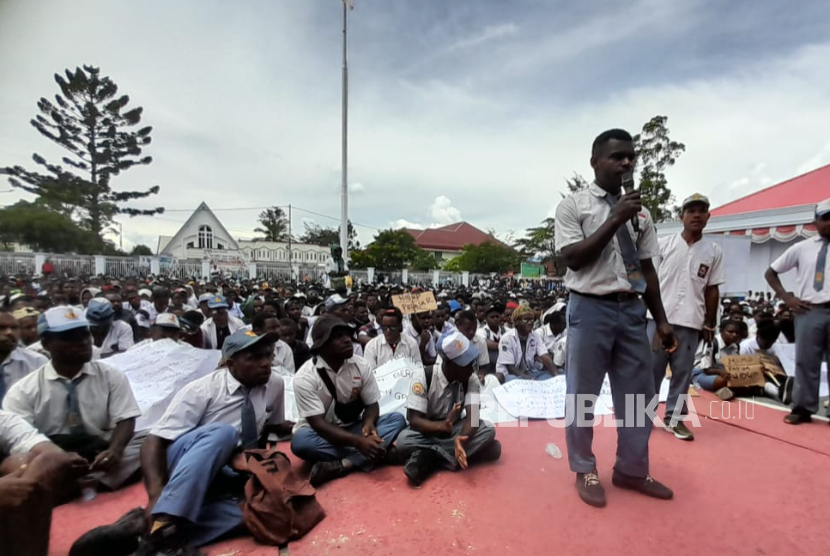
736	492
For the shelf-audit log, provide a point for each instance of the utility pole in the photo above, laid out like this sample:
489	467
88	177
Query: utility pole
344	193
289	236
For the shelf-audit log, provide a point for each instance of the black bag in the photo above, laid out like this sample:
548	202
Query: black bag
348	412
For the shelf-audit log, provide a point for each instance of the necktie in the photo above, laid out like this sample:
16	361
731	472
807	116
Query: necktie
74	420
821	264
249	435
628	252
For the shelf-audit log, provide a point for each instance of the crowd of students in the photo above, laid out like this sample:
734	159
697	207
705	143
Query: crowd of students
69	419
59	396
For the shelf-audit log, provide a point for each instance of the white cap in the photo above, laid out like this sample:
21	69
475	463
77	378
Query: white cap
823	207
168	320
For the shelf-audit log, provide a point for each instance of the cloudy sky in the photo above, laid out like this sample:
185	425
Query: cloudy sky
462	109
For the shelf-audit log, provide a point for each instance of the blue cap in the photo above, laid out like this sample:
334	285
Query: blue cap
61	319
99	311
244	339
454	305
454	346
217	302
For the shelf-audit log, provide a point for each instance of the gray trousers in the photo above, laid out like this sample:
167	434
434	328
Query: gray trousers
812	345
410	440
130	463
682	362
608	337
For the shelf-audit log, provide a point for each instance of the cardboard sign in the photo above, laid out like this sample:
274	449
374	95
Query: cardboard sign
744	370
419	302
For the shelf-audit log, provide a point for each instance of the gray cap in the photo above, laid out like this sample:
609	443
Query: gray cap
695	198
333	301
244	339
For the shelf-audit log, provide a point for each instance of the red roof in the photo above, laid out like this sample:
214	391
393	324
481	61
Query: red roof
806	189
450	238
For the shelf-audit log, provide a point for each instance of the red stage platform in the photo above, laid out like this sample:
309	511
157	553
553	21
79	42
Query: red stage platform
746	485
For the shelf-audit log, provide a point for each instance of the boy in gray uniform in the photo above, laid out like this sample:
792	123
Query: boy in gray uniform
811	304
437	435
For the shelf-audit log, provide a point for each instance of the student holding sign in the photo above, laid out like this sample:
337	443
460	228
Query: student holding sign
811	303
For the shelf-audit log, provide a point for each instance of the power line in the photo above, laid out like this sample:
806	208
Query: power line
279	206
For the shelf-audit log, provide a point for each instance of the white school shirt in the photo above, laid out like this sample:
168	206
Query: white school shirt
218	398
685	271
803	257
409	329
437	403
750	347
549	338
209	330
354	379
581	214
510	350
283	356
711	357
119	338
378	351
104	396
19	363
17	436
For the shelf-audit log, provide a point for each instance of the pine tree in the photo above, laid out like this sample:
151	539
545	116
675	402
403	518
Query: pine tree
656	152
89	122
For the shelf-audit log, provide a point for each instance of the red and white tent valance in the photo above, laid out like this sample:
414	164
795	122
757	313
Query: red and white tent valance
779	233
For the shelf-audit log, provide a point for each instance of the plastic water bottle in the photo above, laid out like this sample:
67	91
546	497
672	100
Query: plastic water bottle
553	451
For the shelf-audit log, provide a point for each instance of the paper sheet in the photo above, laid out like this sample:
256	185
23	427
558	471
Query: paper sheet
394	381
157	370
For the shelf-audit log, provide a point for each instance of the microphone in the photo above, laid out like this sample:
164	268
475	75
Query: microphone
628	187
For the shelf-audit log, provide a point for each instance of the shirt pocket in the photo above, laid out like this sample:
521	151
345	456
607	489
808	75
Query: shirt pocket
701	270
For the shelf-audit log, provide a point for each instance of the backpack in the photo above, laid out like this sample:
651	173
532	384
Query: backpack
279	506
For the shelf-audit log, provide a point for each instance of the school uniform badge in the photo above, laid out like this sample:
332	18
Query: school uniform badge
701	272
418	389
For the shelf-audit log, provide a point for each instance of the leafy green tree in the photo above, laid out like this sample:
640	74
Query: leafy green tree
141	251
90	122
485	258
42	229
656	152
391	250
273	225
424	260
327	236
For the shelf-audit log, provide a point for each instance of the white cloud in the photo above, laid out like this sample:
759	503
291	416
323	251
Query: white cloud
442	212
821	158
357	187
404	223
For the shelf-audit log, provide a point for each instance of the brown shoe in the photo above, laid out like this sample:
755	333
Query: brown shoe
590	489
798	417
644	485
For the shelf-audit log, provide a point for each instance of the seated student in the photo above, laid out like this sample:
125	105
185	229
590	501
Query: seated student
191	323
780	388
371	330
340	428
27	322
492	331
709	373
553	331
288	334
220	325
437	435
522	354
266	323
467	323
193	495
15	361
83	406
392	344
418	327
112	336
34	475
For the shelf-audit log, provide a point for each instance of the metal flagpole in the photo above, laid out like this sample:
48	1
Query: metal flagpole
344	192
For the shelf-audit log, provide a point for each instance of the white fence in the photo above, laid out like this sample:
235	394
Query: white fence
183	269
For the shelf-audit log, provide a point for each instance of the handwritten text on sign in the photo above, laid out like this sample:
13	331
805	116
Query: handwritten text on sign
410	303
744	370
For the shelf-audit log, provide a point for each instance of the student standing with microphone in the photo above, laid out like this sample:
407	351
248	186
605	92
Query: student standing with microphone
609	277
